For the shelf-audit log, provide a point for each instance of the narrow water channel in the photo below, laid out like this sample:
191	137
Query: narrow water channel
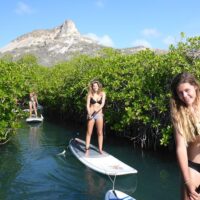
32	168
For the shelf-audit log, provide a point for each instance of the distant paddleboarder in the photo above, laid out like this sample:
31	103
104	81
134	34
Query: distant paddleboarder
33	103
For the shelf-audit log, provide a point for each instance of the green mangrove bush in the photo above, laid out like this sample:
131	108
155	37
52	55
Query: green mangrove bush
137	87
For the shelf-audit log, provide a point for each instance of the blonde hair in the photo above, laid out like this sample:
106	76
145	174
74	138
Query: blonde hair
184	121
91	91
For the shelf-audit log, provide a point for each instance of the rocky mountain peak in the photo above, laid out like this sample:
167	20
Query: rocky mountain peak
68	28
51	46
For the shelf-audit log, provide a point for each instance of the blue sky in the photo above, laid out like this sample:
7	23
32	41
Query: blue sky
115	23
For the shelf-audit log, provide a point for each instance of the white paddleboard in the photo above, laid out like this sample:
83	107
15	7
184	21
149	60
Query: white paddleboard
102	163
35	119
26	110
116	194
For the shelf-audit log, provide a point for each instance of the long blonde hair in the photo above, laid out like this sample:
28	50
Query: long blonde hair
91	91
184	121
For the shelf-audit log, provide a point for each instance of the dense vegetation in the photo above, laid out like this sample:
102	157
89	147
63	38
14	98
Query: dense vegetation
137	88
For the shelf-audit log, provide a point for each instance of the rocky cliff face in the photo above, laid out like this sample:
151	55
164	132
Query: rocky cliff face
55	45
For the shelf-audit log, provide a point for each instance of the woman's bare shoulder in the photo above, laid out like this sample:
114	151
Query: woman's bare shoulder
89	95
103	93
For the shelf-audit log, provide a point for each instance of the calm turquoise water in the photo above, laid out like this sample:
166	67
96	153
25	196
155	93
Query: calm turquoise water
31	168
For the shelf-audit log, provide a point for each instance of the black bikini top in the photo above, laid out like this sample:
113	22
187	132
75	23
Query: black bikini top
92	101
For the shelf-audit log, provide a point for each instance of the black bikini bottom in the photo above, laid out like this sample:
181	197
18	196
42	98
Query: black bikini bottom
193	165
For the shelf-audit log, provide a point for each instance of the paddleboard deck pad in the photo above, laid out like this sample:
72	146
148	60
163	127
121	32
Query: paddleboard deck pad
117	195
103	163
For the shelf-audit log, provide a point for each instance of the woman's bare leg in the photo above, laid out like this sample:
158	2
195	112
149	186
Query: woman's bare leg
30	108
35	109
99	126
90	126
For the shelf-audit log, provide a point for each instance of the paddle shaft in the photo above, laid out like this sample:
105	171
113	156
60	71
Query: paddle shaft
115	194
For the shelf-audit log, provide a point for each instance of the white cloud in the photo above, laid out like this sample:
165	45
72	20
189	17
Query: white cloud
141	43
150	32
104	40
169	40
23	8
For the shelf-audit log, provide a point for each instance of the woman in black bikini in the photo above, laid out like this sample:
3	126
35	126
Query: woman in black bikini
33	103
185	115
95	102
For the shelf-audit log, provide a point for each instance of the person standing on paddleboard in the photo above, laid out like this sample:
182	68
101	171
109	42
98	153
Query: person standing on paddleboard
95	103
33	103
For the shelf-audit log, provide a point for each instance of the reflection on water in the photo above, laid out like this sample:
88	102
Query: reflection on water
95	184
31	168
34	135
127	183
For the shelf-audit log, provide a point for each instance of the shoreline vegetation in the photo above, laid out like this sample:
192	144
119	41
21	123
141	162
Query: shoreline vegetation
137	88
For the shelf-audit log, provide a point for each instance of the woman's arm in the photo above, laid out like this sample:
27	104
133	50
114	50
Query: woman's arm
36	99
103	100
182	157
181	152
88	105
